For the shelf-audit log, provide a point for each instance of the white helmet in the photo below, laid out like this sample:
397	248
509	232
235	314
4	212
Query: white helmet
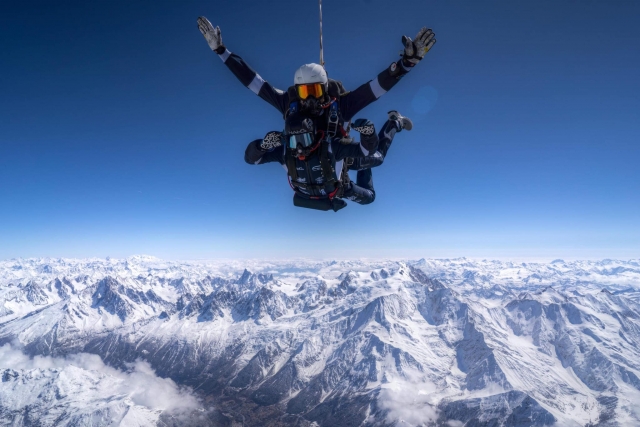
310	73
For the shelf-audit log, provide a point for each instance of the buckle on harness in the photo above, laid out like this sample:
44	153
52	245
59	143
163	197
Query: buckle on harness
332	124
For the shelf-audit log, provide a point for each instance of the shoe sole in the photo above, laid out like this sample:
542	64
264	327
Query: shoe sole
406	121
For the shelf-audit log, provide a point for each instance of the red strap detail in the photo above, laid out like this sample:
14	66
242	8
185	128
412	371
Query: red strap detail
333	193
328	103
317	144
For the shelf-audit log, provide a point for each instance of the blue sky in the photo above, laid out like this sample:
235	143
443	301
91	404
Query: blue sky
122	133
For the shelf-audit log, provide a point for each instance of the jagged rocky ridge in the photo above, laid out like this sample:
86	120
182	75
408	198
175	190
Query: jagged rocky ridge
431	342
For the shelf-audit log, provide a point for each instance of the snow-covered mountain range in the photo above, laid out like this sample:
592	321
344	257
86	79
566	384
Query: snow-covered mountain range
329	343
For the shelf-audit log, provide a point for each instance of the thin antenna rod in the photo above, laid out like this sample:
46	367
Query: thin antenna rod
321	48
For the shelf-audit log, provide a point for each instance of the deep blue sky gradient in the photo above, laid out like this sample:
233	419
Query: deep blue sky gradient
122	133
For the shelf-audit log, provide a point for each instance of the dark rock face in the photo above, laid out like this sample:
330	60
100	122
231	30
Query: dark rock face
608	405
418	276
345	287
596	371
210	309
106	297
382	310
265	303
310	396
476	359
348	411
513	408
35	294
258	367
64	288
211	418
277	387
9	374
179	361
193	307
442	306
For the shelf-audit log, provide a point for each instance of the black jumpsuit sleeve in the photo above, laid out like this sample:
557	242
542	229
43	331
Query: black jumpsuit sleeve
354	101
252	80
255	156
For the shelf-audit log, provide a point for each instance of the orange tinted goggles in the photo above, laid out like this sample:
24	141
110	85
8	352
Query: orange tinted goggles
313	89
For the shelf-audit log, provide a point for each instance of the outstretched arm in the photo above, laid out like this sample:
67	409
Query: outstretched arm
414	51
247	76
266	150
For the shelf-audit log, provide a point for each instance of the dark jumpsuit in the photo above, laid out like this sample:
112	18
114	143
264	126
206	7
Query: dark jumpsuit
349	103
310	170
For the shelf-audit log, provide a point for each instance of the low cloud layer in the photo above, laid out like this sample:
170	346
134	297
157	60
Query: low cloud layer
409	404
139	385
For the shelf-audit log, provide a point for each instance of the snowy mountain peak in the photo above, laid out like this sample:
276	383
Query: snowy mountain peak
453	342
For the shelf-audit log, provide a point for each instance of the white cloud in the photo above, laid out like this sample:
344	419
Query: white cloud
139	384
409	403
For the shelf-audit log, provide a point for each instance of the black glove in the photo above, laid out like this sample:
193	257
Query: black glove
363	126
415	50
271	141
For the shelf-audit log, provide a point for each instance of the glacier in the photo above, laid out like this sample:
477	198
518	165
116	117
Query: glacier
432	342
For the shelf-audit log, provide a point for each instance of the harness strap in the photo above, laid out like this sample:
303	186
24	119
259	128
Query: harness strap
291	167
332	119
331	186
330	183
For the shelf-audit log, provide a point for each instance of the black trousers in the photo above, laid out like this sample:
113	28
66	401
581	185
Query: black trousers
362	191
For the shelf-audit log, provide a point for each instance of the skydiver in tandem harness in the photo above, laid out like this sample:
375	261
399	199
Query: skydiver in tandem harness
316	108
314	161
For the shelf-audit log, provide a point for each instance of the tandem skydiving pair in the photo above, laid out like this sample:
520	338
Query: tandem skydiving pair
315	147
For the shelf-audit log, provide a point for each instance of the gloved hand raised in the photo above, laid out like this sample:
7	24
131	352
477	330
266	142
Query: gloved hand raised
212	35
271	141
363	126
415	50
